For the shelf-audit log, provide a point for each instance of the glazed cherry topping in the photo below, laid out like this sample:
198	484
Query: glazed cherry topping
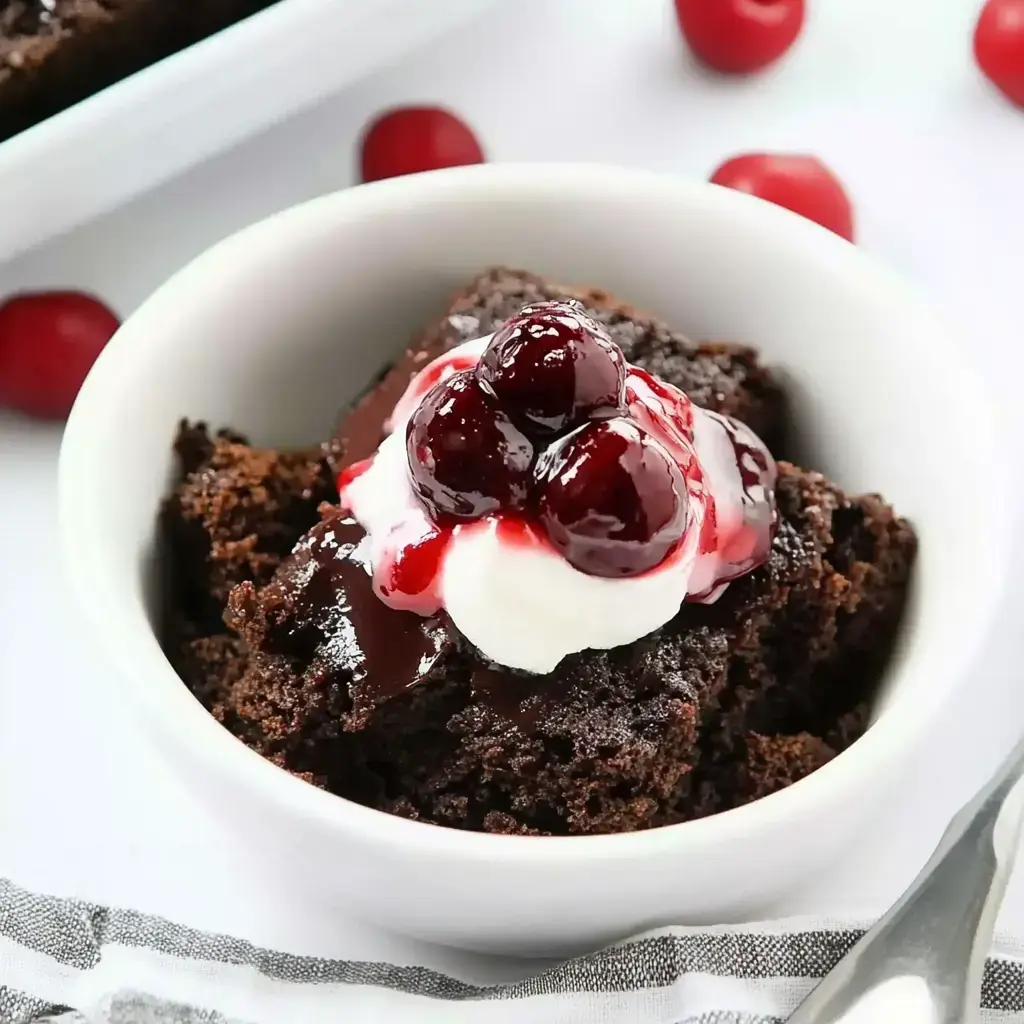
48	343
552	366
407	140
466	457
999	46
740	36
802	184
611	499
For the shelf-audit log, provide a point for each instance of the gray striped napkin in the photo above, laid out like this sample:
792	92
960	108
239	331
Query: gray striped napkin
72	962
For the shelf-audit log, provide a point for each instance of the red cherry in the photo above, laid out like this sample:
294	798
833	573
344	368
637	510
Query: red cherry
48	343
802	184
552	366
740	36
466	457
611	499
999	46
407	140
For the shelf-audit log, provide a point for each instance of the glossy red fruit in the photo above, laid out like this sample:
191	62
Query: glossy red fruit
48	343
740	36
802	184
611	499
407	140
466	457
999	46
552	366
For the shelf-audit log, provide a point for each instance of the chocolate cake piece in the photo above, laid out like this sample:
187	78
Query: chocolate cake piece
400	713
724	704
54	53
725	378
237	511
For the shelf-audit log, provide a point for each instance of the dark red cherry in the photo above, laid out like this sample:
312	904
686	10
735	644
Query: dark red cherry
999	46
740	36
466	457
611	499
552	366
48	343
406	140
799	183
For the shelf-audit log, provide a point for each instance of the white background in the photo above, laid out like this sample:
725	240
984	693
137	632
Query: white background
883	90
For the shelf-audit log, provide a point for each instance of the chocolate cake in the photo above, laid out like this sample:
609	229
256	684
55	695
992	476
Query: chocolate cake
724	704
54	53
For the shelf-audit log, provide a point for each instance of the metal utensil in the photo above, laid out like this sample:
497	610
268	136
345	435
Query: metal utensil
922	963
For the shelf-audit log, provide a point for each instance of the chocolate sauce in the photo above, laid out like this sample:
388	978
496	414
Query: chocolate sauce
329	588
362	427
337	620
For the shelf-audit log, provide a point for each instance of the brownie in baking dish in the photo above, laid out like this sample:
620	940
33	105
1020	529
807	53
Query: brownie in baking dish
724	704
54	53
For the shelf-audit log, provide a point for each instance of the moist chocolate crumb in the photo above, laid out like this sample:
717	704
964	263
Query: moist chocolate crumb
237	511
724	704
774	762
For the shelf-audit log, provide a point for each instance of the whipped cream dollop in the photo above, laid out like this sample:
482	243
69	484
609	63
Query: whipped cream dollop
508	590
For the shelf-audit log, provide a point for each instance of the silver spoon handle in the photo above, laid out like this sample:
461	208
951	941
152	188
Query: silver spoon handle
944	922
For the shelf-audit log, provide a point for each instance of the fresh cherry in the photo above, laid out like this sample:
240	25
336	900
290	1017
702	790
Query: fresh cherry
611	499
407	140
466	457
552	366
48	343
802	184
740	36
999	46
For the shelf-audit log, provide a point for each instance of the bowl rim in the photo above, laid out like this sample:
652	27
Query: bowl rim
181	720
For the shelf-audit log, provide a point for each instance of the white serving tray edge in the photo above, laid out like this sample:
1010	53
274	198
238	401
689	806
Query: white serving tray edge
149	127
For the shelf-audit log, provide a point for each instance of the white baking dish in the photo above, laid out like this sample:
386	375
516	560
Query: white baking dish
155	124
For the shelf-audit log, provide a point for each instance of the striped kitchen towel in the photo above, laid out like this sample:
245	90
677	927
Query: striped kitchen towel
68	962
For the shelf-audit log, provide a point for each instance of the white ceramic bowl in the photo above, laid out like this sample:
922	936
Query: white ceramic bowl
275	329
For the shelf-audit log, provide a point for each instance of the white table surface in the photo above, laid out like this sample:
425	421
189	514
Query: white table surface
885	92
